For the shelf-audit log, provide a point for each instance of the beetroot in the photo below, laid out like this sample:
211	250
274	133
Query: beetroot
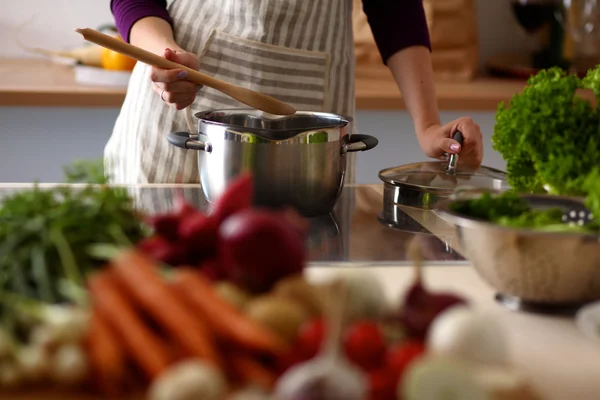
198	233
257	248
421	307
165	225
162	250
213	270
237	197
182	208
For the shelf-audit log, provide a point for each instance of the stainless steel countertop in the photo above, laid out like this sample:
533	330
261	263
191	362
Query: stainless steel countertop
352	235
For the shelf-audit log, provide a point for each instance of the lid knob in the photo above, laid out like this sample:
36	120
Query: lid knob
458	136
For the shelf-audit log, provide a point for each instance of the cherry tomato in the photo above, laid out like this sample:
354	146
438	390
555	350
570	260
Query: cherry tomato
310	338
364	345
383	384
400	356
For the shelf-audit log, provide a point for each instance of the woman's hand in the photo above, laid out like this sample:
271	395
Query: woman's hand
437	140
171	85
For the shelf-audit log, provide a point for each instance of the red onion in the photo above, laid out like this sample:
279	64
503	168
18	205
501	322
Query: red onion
257	248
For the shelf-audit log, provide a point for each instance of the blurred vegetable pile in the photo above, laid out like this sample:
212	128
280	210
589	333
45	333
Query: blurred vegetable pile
209	305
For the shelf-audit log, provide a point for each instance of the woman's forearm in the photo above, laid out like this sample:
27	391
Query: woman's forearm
144	23
153	34
413	73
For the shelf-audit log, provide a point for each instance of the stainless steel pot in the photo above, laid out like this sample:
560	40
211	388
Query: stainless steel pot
297	160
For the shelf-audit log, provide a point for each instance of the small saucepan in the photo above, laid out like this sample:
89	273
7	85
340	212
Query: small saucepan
298	160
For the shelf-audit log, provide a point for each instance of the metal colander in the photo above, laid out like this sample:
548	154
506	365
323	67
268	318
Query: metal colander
533	266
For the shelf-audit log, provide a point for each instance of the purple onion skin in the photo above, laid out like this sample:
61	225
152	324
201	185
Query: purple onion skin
420	309
257	248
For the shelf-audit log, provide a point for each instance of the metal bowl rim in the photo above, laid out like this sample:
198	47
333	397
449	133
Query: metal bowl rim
443	208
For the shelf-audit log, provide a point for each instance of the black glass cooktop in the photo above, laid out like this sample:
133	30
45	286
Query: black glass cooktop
356	232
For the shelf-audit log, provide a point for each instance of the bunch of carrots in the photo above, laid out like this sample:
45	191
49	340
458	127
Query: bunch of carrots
143	320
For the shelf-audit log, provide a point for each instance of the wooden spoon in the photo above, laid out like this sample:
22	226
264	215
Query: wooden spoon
249	97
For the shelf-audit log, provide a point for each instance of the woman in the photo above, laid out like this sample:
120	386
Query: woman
300	51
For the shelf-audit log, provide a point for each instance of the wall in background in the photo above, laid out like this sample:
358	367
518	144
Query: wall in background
37	142
50	24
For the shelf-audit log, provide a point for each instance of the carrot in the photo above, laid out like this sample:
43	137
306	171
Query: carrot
222	317
250	371
139	276
105	353
143	345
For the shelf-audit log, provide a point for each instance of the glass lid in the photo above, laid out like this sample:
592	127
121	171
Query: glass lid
436	176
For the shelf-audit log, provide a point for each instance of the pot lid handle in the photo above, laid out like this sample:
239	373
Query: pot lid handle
451	168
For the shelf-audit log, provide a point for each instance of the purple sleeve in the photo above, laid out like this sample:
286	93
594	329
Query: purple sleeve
397	24
128	12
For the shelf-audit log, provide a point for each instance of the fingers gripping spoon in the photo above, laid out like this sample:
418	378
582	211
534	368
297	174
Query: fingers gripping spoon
249	97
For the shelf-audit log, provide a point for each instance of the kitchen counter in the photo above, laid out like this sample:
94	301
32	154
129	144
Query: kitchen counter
35	82
561	362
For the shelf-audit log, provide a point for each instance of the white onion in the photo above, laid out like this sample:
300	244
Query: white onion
469	335
34	362
189	380
5	344
43	336
435	377
69	364
251	393
366	298
439	378
66	324
10	374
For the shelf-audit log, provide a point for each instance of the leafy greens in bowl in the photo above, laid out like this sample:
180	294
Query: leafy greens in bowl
535	247
511	210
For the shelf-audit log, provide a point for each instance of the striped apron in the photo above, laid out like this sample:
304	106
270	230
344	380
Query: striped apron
299	51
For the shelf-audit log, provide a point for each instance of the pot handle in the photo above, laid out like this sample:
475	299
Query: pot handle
184	141
358	142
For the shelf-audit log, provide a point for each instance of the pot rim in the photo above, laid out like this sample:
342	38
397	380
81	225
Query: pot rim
202	118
